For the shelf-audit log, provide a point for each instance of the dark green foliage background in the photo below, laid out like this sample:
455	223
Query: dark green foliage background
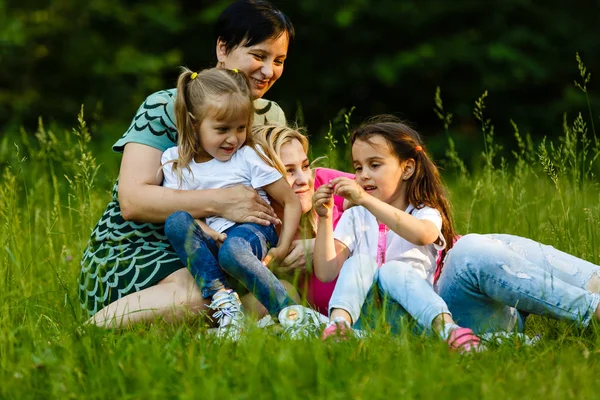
383	56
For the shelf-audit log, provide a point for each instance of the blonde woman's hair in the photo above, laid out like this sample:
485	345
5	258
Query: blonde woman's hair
271	138
216	92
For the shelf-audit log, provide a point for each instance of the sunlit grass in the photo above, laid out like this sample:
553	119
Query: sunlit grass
53	189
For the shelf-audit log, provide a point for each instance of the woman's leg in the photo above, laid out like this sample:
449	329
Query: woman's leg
172	299
483	278
197	251
355	279
402	283
557	264
240	256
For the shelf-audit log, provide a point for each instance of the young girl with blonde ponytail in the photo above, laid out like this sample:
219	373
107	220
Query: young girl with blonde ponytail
391	237
215	149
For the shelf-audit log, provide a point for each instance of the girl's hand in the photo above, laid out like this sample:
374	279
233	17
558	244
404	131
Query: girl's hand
323	201
346	205
219	238
274	257
349	190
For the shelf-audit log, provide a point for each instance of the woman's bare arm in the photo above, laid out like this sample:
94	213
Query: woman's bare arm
143	199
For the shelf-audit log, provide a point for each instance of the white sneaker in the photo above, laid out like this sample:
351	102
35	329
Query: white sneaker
301	322
265	322
499	338
229	314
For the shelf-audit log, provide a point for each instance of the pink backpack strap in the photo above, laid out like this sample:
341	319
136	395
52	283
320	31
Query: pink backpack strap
381	244
382	239
438	268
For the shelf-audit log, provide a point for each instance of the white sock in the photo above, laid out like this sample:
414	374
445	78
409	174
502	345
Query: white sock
448	328
341	320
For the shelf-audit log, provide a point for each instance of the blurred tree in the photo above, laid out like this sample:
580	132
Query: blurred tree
380	56
57	55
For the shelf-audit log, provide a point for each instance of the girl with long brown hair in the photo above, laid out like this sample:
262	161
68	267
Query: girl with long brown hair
391	237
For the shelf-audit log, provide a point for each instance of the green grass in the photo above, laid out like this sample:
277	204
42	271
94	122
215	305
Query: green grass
53	190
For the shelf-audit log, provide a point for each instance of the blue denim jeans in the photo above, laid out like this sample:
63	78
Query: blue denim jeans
239	256
403	290
492	282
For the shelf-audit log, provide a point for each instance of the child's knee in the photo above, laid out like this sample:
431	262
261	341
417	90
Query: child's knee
233	252
397	272
593	285
177	224
360	262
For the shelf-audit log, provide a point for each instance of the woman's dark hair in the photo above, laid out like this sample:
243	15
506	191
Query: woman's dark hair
425	187
249	22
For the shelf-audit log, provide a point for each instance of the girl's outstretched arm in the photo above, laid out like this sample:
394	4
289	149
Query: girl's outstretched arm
329	254
282	193
143	199
420	232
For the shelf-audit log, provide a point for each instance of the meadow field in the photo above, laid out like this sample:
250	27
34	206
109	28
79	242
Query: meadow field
54	185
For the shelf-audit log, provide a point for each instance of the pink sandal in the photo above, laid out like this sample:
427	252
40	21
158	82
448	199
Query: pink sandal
464	340
338	329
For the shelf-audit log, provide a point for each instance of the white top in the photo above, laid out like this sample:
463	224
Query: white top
359	231
244	167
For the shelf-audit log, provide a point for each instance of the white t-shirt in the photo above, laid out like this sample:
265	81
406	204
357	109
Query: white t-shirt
359	231
244	167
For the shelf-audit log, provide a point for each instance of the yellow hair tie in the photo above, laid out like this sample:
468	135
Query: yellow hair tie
235	70
194	75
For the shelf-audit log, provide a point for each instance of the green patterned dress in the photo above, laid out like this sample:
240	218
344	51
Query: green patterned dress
123	257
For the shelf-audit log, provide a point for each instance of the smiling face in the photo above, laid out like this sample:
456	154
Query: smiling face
378	170
298	172
262	63
220	138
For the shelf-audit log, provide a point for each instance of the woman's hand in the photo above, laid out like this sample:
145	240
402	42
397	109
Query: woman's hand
297	256
243	204
323	201
142	198
349	190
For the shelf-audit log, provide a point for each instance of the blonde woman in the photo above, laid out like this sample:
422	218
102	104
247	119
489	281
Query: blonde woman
288	149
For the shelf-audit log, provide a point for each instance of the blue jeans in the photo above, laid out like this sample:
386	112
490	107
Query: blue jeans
491	282
239	256
404	291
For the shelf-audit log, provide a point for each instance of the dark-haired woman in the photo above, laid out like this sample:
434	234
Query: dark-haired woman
129	272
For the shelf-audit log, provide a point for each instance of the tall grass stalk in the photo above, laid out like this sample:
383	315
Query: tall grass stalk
53	189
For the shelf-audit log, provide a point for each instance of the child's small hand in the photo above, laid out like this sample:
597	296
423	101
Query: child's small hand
219	238
323	200
346	205
349	190
274	257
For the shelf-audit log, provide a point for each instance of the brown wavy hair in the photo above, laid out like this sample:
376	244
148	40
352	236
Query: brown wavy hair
425	187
